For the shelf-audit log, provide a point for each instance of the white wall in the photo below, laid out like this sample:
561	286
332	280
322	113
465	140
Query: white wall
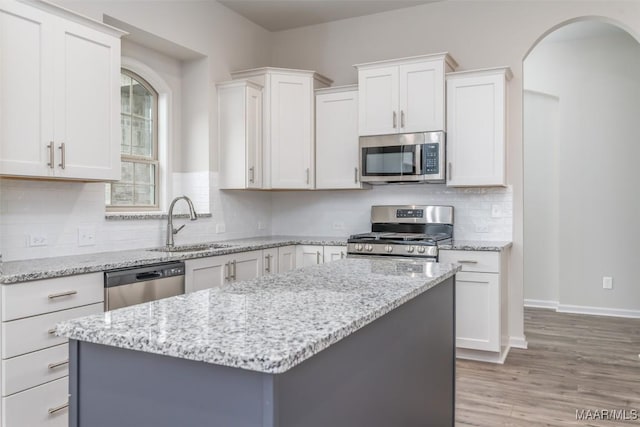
340	213
478	34
597	82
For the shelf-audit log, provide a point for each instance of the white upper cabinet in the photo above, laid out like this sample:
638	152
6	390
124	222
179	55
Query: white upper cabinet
403	95
59	94
288	125
337	138
240	134
476	124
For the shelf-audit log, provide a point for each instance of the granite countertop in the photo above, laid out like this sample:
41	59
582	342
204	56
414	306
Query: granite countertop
269	324
477	245
45	268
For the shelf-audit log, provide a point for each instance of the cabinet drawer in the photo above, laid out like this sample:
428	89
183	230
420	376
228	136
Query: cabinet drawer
36	407
45	296
479	261
31	334
23	372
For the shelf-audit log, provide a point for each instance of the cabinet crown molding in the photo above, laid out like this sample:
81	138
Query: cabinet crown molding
243	74
449	61
239	83
506	71
337	89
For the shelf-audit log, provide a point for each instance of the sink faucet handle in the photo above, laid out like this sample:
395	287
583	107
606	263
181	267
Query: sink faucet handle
177	230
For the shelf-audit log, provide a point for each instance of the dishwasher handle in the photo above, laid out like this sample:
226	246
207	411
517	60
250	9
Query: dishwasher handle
149	275
125	276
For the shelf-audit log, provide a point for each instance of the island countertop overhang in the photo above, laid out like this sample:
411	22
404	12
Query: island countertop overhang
269	324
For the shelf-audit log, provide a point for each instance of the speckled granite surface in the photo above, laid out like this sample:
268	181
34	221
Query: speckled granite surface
269	324
476	245
45	268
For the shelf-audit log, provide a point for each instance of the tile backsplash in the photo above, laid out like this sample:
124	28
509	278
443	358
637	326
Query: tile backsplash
42	218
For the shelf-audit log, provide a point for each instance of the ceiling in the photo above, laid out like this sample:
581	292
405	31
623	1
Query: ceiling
278	15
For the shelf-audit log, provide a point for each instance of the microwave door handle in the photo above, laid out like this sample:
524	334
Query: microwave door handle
417	160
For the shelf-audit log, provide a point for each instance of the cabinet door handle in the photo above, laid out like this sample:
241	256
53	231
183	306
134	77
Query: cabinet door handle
62	294
318	257
57	409
268	266
467	261
341	254
401	118
52	331
449	170
307	175
58	364
395	120
252	174
227	268
233	266
63	155
51	155
355	176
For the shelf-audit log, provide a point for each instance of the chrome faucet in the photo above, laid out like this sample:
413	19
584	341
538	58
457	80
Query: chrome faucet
170	230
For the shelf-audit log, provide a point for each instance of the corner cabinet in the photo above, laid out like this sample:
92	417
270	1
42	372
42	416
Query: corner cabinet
288	125
59	94
403	95
337	154
481	304
476	127
240	134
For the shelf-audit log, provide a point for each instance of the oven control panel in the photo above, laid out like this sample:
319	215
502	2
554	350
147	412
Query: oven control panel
409	213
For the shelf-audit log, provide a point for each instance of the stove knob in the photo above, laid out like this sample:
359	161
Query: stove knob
369	248
421	249
358	246
389	248
410	249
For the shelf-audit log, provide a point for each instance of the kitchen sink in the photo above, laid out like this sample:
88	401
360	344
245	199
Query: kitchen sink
191	248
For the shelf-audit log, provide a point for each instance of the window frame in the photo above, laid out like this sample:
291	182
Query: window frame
153	160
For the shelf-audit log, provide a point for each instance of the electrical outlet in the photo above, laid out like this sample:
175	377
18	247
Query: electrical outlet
338	225
482	228
260	225
221	228
86	236
496	211
607	282
34	240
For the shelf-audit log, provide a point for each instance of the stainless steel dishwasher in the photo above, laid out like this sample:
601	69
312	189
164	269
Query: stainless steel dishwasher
130	286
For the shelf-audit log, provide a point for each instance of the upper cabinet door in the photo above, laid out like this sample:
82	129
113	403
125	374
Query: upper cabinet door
337	140
378	106
26	91
476	117
292	131
422	102
253	125
87	103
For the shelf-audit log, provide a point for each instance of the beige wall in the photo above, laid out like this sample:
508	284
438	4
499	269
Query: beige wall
477	34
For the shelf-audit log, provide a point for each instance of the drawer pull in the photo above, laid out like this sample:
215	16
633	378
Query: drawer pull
58	408
467	261
62	294
58	364
52	331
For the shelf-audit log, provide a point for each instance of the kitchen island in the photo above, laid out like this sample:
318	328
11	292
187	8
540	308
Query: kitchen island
356	342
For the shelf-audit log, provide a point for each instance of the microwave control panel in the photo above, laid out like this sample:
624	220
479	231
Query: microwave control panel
431	158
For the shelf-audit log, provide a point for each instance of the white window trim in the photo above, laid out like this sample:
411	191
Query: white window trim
165	126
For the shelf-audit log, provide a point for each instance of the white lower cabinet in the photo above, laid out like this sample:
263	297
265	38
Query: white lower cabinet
211	272
35	363
481	304
315	254
42	406
270	261
286	258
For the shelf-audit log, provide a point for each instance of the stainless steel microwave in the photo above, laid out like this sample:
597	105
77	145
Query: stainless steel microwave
408	157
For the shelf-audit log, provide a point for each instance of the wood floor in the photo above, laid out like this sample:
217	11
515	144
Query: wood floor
574	362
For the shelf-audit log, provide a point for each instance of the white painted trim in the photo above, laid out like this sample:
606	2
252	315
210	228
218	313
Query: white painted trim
598	311
582	309
518	342
538	303
483	356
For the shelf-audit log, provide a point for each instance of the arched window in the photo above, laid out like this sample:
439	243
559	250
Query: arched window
137	189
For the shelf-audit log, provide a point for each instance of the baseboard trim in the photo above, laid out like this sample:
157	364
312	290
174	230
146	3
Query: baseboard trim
538	303
518	342
483	356
581	309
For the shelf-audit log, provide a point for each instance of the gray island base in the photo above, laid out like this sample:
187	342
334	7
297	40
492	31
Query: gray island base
398	369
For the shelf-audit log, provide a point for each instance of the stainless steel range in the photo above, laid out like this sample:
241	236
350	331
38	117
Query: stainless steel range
410	231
